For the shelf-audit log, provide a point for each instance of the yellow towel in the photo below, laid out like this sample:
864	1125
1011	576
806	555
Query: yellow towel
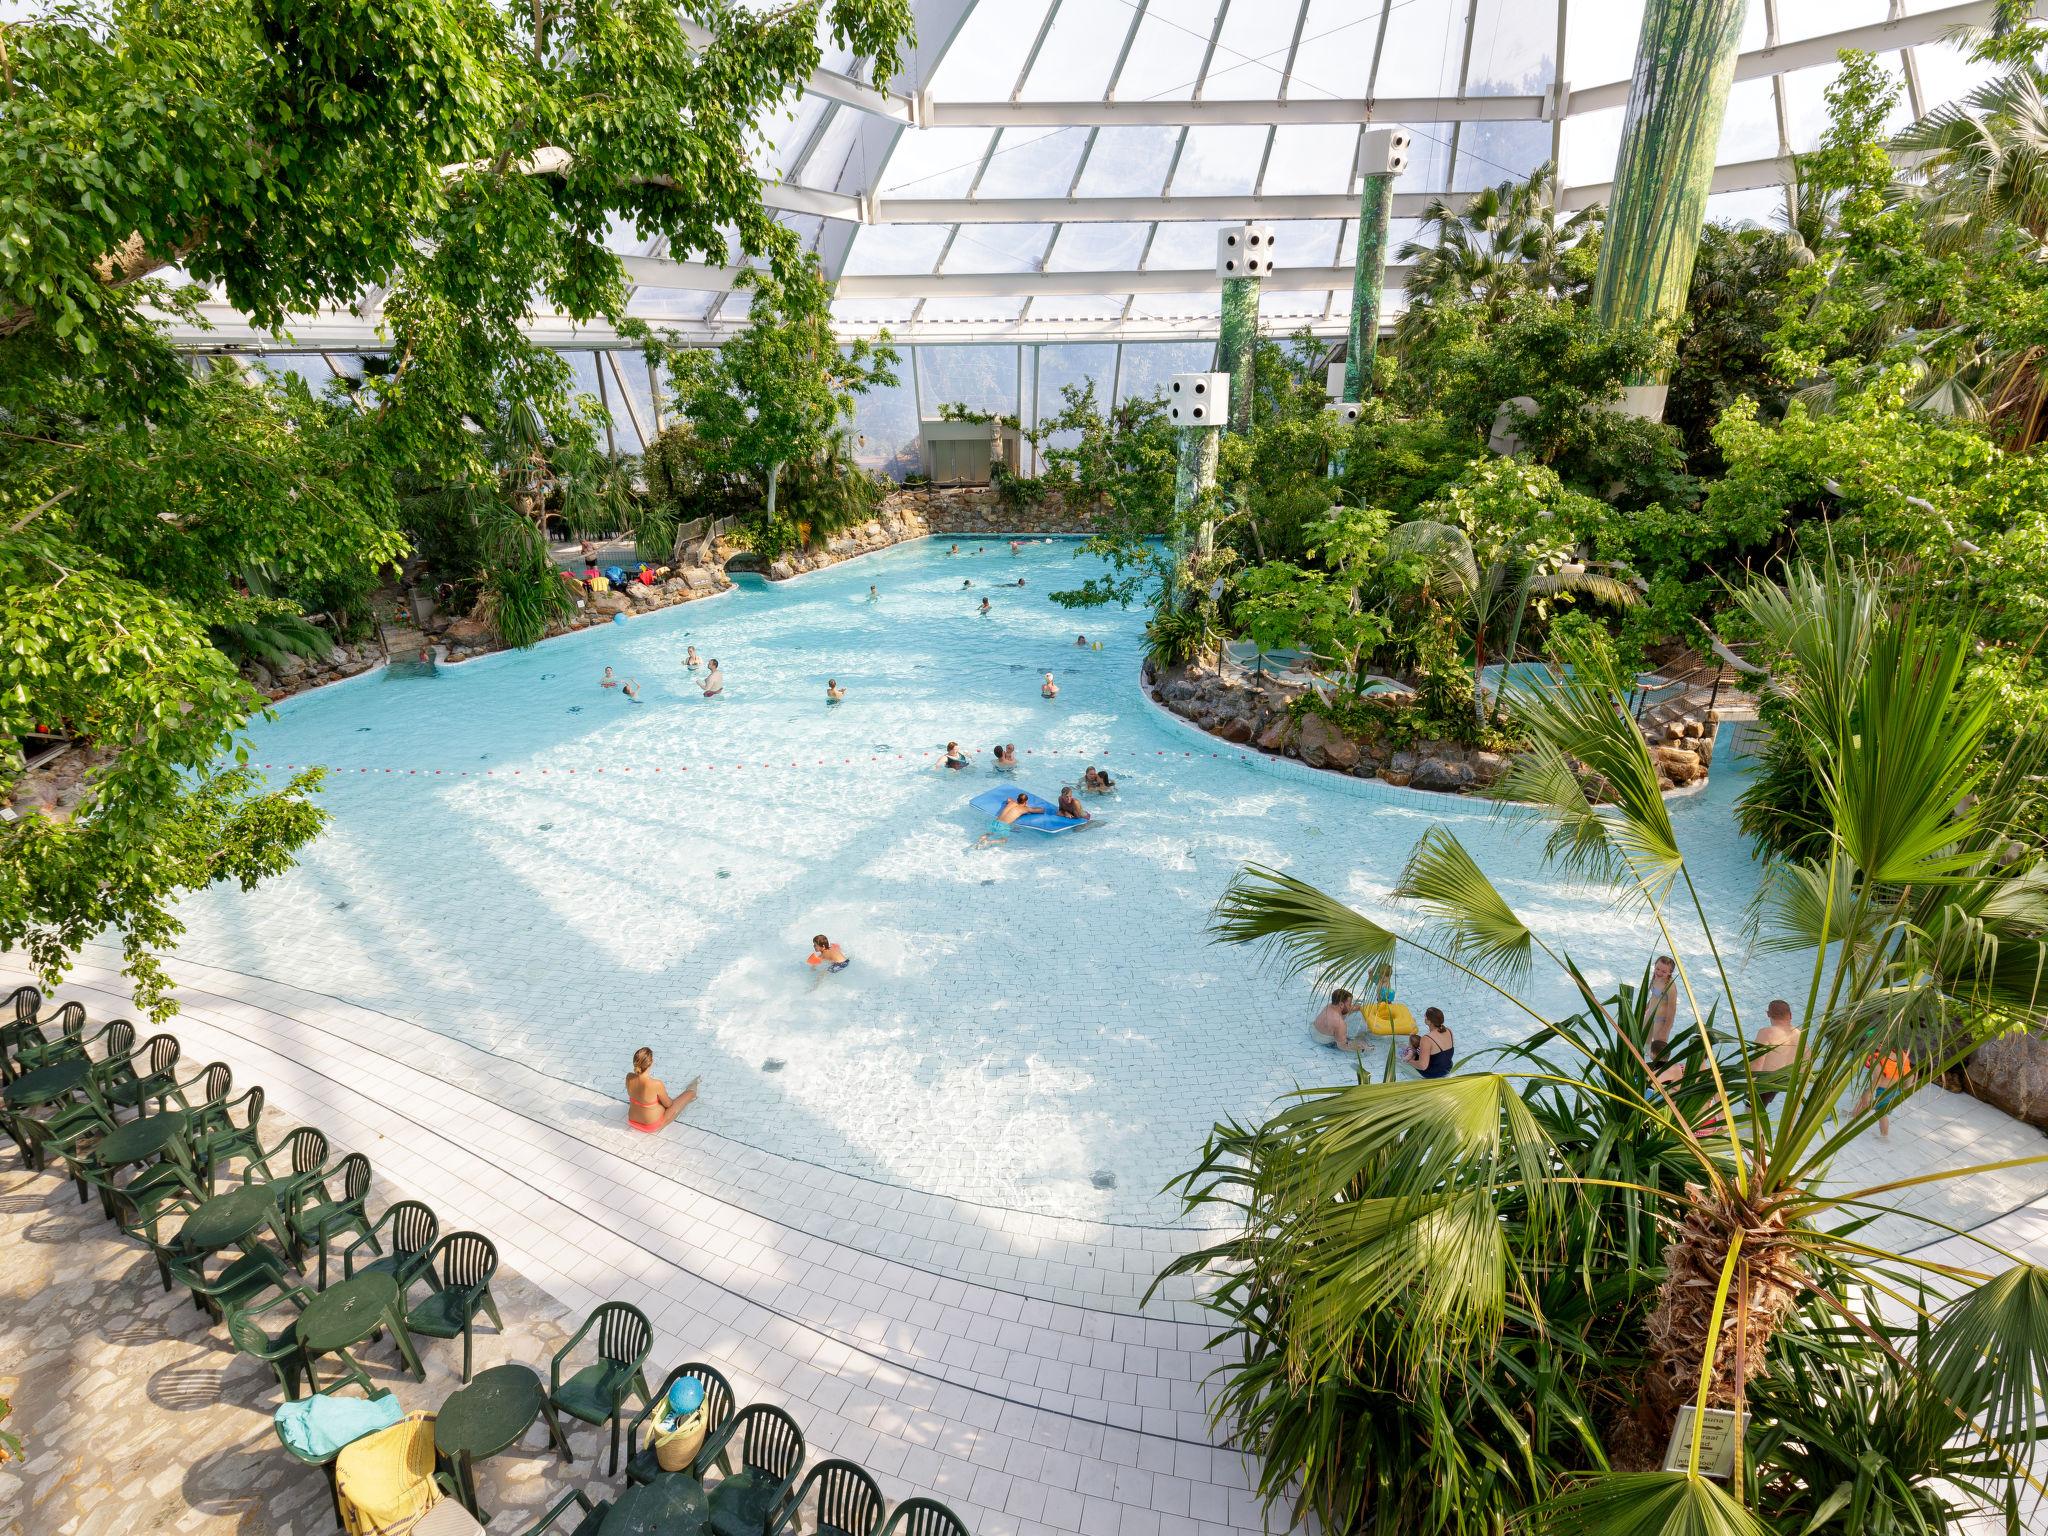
387	1479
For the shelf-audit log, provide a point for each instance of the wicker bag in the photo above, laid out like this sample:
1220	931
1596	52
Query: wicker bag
675	1443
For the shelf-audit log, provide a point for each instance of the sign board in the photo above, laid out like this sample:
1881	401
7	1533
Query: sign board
1717	1443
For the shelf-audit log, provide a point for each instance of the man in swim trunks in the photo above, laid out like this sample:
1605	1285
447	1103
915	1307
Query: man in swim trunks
833	692
1012	811
1006	756
1778	1047
714	680
648	1106
1070	806
824	952
1329	1024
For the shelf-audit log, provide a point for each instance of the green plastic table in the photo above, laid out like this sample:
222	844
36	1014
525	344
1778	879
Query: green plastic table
674	1504
59	1080
228	1219
348	1313
490	1415
140	1140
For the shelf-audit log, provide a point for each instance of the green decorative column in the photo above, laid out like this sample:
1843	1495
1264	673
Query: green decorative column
1198	404
1244	258
1382	156
1194	476
1685	63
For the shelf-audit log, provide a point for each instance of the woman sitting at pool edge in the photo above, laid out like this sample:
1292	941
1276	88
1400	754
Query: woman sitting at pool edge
648	1106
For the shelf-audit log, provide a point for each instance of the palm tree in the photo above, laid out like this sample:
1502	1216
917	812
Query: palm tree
1504	239
1502	587
1461	1202
1984	161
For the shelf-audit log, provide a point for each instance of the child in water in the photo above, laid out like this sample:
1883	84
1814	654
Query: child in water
824	952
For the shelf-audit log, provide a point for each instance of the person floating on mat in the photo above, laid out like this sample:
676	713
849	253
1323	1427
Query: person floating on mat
648	1106
1012	812
1329	1025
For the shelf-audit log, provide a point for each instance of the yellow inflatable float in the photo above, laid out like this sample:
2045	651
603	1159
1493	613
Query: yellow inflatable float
1388	1018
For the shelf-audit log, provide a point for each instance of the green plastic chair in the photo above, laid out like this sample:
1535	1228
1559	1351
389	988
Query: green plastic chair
280	1350
223	1139
458	1272
68	1139
115	1039
239	1284
771	1454
411	1229
589	1516
641	1465
925	1517
303	1153
599	1391
40	1049
849	1502
318	1213
159	1056
203	1096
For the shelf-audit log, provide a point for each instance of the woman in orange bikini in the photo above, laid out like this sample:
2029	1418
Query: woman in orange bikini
648	1106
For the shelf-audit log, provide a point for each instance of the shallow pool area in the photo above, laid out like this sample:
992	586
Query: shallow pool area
527	862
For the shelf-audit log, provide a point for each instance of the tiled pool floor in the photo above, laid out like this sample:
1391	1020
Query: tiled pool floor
532	865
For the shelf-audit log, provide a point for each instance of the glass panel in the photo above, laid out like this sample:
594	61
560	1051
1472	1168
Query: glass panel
1429	159
981	378
824	165
1600	40
1128	162
583	374
935	162
1311	157
1514	47
1337	40
632	367
1079	307
1166	56
781	134
1251	52
1493	152
1147	365
1947	73
896	248
1287	307
1188	246
980	307
670	303
1811	18
1425	47
1033	162
1219	162
885	427
1301	243
998	248
1204	304
988	52
1750	130
1078	54
1098	248
310	367
873	311
1764	206
1064	365
1592	146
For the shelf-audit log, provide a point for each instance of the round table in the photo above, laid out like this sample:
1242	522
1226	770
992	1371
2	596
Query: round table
229	1219
674	1504
348	1313
59	1080
490	1415
140	1140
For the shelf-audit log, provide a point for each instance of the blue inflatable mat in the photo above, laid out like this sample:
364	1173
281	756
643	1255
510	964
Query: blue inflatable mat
1041	817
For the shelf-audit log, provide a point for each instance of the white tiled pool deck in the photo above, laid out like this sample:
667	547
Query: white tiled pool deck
997	1360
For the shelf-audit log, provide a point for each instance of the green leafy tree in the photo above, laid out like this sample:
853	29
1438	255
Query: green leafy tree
1460	1255
782	390
1282	606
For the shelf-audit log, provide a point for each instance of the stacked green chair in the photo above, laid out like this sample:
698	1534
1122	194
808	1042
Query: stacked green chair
204	1095
145	1226
641	1466
222	1139
39	1048
771	1455
599	1391
925	1517
302	1154
67	1136
318	1212
111	1041
411	1228
17	1027
458	1274
241	1281
849	1502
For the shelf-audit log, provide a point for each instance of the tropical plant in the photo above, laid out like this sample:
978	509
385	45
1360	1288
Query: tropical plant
1465	1206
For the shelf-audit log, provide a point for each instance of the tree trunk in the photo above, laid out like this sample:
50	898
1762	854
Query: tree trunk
774	475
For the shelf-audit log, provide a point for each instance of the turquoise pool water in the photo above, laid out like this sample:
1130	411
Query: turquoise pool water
534	864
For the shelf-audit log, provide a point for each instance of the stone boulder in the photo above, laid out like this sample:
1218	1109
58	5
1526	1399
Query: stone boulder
607	603
781	570
1678	764
2011	1073
1443	774
697	579
468	632
1273	735
1323	745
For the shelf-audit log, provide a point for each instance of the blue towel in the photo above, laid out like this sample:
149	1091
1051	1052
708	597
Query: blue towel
316	1428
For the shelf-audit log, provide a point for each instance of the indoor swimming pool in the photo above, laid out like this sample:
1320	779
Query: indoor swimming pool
529	862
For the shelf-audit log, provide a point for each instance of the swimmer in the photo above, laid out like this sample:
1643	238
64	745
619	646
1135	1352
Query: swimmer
1006	757
833	692
648	1106
1096	782
999	829
1329	1028
1070	805
1081	641
632	689
984	608
953	551
608	680
1015	547
824	952
873	595
966	584
691	661
1049	688
714	680
954	757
